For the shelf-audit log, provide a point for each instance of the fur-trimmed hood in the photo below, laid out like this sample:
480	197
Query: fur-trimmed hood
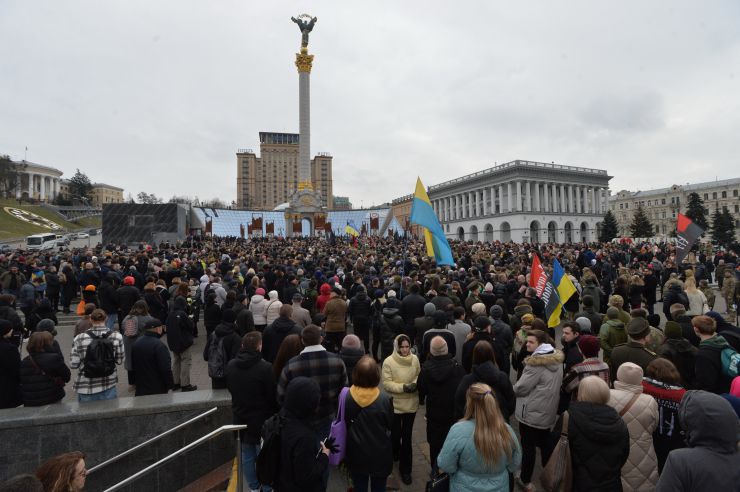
551	360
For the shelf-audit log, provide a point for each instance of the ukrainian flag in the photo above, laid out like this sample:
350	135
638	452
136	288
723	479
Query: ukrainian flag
423	214
351	229
562	282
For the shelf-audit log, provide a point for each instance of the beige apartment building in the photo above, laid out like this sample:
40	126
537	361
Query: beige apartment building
662	205
269	180
104	193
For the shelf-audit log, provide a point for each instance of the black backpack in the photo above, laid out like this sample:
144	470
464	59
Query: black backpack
100	359
268	459
217	357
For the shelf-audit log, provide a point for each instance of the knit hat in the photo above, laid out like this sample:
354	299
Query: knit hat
5	327
351	342
481	323
654	320
429	309
612	313
260	291
584	323
527	318
46	325
589	345
438	346
381	293
152	323
638	328
90	288
488	287
129	280
496	311
441	319
715	316
673	330
588	301
630	373
478	309
297	296
391	293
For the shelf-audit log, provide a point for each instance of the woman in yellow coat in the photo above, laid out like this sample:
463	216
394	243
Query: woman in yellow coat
400	371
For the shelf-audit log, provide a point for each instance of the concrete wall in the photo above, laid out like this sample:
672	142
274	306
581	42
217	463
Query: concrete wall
28	436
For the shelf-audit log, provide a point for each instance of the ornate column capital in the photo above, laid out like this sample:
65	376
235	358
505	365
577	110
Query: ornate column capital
303	61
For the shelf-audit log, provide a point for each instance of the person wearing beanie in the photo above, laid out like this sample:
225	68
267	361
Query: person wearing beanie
482	332
584	324
222	346
502	334
424	323
678	350
635	350
10	363
478	309
640	413
617	301
487	297
472	299
460	329
150	360
258	306
439	328
437	383
657	337
590	366
351	352
612	333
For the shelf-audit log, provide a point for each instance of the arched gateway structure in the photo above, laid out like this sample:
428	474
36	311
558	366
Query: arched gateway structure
523	201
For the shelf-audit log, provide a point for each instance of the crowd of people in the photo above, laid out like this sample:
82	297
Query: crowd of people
648	402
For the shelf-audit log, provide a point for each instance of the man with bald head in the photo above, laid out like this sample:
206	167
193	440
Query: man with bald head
437	382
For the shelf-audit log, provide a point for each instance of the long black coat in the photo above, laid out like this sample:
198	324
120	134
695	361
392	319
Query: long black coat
599	446
126	296
253	390
10	383
179	331
502	358
499	382
151	361
437	383
369	448
42	389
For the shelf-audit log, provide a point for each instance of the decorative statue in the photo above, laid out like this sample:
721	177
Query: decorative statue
305	27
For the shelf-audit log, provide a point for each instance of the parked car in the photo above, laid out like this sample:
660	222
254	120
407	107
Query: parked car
72	236
82	235
6	249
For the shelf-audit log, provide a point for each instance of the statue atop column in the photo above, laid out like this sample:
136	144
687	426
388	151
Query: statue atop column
305	24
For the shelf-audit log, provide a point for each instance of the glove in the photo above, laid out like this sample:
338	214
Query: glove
331	445
409	387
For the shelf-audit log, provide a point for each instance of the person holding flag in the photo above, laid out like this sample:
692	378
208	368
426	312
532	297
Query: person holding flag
422	214
351	229
547	291
564	285
687	232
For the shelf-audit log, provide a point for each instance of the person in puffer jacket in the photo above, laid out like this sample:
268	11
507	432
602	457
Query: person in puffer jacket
272	307
538	394
640	412
257	306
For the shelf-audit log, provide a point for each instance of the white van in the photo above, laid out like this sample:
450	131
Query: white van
41	242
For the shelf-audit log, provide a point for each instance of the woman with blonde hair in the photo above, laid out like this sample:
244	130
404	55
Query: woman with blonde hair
63	473
697	299
481	450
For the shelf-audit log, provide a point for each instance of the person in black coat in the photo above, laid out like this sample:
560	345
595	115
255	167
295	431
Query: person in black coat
53	287
253	389
360	312
226	332
212	313
43	310
126	296
412	305
107	298
7	313
10	362
43	372
369	416
276	332
150	360
437	383
69	287
303	463
598	438
179	340
482	331
350	353
154	302
485	371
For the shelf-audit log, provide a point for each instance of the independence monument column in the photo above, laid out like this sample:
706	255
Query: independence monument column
303	61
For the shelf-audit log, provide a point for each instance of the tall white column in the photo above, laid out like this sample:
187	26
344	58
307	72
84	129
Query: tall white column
510	198
471	204
536	197
42	190
562	199
518	196
528	200
303	63
545	196
485	201
30	185
594	202
492	210
500	199
475	204
571	201
455	215
18	186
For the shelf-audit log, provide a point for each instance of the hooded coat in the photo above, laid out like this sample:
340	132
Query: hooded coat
302	466
438	380
683	355
708	368
391	325
43	388
499	382
225	331
538	390
179	327
711	462
253	389
324	296
612	333
599	446
258	306
369	417
640	472
272	307
274	335
397	371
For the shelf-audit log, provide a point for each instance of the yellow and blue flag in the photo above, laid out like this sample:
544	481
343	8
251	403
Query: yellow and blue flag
422	214
351	229
562	282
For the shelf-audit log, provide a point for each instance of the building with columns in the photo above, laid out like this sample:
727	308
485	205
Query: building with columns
36	181
523	201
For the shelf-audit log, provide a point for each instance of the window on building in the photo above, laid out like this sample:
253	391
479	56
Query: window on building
626	205
737	208
724	208
734	192
649	203
714	195
706	196
621	206
724	194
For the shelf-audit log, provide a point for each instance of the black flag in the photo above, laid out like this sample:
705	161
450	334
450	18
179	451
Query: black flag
687	234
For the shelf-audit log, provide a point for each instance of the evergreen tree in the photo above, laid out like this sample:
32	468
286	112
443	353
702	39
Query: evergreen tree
609	228
723	227
80	187
696	212
9	175
641	226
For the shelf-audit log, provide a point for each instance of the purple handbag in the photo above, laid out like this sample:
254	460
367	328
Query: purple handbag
338	431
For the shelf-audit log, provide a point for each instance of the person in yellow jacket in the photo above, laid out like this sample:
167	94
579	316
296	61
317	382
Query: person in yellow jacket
400	371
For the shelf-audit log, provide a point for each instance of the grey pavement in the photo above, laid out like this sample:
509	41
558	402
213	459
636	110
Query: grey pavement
338	480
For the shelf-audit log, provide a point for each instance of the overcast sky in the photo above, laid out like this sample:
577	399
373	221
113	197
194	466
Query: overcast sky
158	96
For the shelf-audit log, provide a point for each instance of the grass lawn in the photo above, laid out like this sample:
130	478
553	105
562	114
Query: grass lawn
12	227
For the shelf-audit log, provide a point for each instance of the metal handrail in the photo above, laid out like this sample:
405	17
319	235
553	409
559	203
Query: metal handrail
197	442
146	443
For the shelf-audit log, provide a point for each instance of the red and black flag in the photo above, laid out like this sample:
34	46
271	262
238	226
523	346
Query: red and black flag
297	227
686	235
249	229
270	227
327	227
374	221
320	221
545	291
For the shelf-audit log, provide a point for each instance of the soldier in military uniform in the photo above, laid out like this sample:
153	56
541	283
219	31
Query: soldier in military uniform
635	350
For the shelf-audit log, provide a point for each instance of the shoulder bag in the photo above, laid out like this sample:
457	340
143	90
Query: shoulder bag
558	472
338	431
